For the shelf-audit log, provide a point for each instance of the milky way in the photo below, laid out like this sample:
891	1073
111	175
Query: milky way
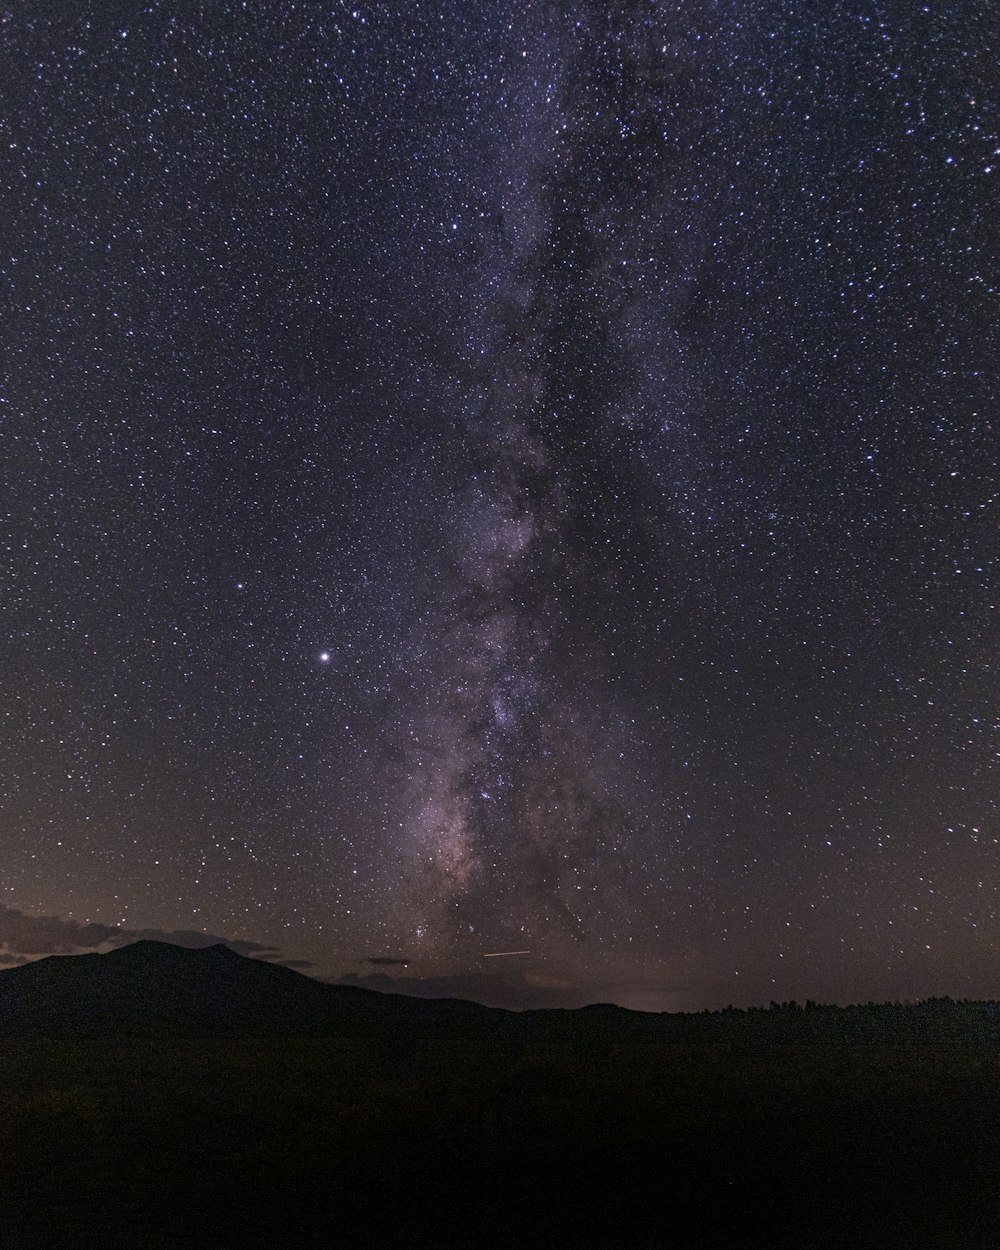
512	477
520	820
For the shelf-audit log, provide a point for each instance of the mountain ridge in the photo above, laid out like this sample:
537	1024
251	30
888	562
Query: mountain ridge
152	989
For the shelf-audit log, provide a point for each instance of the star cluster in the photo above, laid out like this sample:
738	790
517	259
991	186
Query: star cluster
514	477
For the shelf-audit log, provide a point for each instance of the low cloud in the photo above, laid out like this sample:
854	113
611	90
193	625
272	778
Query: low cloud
23	936
386	961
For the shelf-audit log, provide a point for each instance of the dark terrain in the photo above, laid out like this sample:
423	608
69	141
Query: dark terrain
157	1097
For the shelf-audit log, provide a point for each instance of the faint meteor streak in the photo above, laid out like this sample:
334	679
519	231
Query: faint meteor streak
503	954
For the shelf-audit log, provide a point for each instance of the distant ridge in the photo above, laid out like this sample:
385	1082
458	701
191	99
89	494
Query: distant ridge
158	990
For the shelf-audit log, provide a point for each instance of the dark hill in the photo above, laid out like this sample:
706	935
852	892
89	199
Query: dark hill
157	990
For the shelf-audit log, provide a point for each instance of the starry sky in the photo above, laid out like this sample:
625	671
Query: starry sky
505	477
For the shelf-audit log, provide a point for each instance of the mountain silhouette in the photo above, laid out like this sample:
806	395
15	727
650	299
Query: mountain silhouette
158	990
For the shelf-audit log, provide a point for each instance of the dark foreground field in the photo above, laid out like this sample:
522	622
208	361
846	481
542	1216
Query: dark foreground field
209	1144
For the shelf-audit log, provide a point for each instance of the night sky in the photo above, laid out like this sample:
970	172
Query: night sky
505	476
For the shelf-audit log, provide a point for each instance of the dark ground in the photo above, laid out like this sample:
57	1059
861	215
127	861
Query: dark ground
214	1144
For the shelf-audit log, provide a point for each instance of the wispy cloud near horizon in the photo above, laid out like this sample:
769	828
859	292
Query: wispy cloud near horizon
24	937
